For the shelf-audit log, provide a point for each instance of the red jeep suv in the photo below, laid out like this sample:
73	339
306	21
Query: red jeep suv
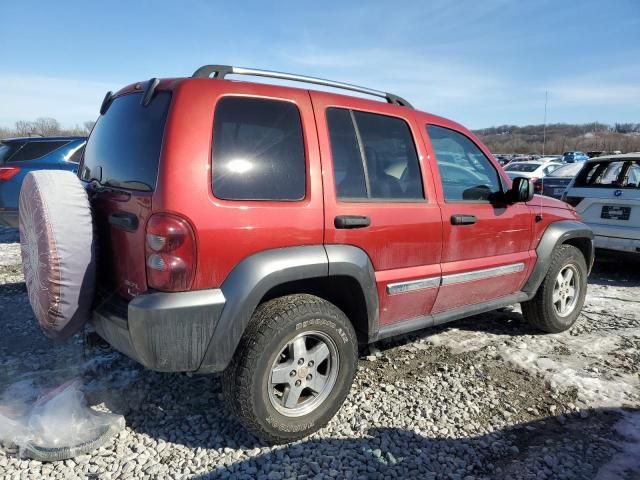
268	231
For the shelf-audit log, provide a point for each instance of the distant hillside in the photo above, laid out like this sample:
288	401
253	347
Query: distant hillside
503	139
561	137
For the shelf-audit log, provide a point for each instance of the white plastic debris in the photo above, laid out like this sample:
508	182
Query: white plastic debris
55	425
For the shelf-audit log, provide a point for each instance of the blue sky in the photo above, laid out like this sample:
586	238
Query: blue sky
481	63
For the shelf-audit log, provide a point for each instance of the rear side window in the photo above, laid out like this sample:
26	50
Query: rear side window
8	149
258	150
623	174
75	154
348	169
124	147
374	156
522	167
466	173
35	150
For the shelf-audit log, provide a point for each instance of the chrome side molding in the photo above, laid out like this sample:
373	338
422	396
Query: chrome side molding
482	274
412	285
434	282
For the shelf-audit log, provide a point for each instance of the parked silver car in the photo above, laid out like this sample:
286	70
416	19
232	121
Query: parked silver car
606	192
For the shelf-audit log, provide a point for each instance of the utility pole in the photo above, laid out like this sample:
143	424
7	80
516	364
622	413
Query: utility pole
544	128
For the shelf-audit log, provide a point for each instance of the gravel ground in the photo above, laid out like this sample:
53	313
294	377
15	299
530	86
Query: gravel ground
485	397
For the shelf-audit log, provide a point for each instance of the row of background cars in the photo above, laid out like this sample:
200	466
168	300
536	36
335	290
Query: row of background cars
19	156
604	189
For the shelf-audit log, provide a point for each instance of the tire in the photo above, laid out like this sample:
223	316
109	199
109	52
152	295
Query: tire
545	310
258	384
58	250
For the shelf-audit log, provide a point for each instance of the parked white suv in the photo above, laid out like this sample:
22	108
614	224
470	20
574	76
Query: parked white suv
606	193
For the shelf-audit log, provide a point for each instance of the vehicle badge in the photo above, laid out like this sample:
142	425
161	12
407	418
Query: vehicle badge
618	193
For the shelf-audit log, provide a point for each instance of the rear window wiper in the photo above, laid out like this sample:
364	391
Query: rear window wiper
129	184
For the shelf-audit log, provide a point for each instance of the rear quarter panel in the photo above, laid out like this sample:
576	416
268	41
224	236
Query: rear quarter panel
229	231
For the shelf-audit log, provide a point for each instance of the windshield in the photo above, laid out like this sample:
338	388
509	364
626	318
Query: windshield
568	170
522	167
124	147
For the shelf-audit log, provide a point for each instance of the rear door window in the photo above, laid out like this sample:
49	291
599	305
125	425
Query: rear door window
35	150
258	150
374	156
348	168
124	147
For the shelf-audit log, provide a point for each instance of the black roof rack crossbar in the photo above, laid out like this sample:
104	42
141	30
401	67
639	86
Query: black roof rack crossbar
220	71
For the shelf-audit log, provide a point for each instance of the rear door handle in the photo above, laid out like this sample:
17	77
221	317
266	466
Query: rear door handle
463	219
124	221
351	221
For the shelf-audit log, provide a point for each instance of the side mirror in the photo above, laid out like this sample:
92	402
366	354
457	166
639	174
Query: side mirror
521	190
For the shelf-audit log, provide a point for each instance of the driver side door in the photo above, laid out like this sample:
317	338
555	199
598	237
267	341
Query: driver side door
485	251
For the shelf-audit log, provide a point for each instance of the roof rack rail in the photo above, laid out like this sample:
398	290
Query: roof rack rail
222	71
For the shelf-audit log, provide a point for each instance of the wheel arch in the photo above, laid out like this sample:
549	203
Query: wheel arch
558	233
341	274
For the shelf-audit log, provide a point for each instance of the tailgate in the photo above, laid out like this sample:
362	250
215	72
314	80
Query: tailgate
120	167
609	215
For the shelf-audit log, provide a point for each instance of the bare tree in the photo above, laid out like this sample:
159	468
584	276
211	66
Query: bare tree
24	129
46	126
88	126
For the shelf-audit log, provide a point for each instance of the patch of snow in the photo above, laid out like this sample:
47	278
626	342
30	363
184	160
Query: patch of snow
578	369
565	361
10	255
461	341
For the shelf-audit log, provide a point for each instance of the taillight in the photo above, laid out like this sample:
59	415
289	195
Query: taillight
573	201
537	184
7	173
170	253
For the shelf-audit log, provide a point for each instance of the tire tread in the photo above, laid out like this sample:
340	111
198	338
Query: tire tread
267	322
536	311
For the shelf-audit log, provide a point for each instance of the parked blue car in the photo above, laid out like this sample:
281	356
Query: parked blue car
572	157
19	156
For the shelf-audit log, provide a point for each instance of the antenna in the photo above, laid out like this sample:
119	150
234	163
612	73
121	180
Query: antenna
544	142
544	128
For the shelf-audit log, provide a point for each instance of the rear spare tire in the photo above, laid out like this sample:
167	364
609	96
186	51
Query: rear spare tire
58	250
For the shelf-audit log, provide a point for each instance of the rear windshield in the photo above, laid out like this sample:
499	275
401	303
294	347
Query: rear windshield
522	167
622	174
124	147
567	171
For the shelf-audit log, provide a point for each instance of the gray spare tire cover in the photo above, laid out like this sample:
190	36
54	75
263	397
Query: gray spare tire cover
58	251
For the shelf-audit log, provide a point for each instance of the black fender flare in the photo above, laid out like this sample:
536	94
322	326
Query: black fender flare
556	234
255	275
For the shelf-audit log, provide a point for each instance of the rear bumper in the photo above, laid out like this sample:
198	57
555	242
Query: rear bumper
9	218
167	332
617	243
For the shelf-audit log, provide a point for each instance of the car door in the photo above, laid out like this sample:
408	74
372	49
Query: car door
485	252
379	196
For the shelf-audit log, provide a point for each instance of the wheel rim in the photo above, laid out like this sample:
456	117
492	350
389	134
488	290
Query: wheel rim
303	374
566	290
